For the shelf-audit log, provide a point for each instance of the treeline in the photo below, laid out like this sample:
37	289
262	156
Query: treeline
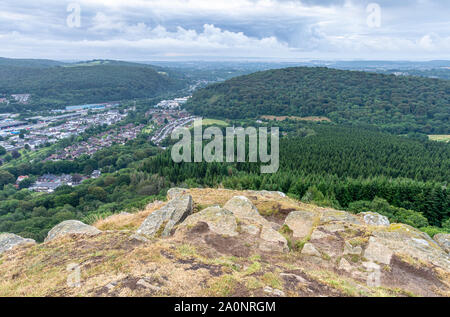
398	104
122	187
345	164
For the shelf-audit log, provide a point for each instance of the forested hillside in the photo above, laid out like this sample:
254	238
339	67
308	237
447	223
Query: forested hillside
402	178
86	83
398	104
33	63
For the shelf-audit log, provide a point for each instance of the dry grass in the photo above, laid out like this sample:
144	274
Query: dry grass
127	221
113	264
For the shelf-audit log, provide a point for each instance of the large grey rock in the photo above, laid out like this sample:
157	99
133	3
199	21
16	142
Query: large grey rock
443	239
9	240
243	209
374	219
165	219
301	223
272	241
219	220
176	192
71	227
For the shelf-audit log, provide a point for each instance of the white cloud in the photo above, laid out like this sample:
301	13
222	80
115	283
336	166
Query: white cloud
137	29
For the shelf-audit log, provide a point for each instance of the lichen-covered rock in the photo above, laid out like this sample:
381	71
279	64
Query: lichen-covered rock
219	220
405	240
163	220
272	241
309	249
243	209
374	219
71	227
9	240
301	223
175	192
443	239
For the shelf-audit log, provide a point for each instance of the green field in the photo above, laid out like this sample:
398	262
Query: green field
440	137
208	122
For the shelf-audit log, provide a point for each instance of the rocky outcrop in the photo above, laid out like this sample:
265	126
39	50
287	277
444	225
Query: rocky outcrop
9	240
219	220
235	251
443	239
301	223
402	239
162	221
374	219
71	227
253	223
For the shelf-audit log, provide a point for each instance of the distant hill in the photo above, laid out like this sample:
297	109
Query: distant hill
398	104
86	82
34	63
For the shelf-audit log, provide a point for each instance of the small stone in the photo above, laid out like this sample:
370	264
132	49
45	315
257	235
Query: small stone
147	285
344	265
309	249
294	276
278	293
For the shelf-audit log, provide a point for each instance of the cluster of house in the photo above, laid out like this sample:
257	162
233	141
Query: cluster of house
98	142
41	130
48	183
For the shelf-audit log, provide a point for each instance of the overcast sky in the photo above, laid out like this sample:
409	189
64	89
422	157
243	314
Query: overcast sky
144	30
